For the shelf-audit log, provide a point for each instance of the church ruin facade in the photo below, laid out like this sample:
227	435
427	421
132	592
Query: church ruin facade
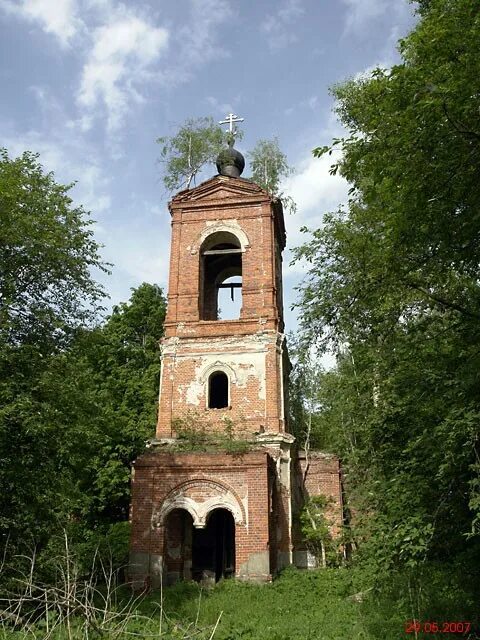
230	509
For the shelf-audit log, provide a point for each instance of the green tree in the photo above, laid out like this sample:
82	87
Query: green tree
315	526
197	142
77	402
123	361
112	372
304	399
269	165
47	252
393	287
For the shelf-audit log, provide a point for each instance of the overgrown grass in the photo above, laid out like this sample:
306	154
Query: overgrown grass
327	604
298	605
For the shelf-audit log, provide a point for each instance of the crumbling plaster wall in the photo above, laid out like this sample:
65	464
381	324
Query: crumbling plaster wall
253	364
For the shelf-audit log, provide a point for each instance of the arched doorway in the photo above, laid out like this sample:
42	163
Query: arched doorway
178	545
213	547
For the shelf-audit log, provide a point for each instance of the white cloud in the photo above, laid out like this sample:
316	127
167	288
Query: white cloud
138	243
125	55
148	264
310	103
387	55
69	161
91	183
196	42
136	253
57	17
278	26
315	192
119	47
219	107
199	43
122	55
362	13
118	54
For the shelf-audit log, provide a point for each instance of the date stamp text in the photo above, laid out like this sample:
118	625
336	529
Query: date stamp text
415	626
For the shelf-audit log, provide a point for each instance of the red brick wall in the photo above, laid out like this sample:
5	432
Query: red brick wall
247	211
257	487
231	201
157	475
253	366
322	478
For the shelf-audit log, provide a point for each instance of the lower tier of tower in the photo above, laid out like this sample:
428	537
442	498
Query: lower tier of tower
207	515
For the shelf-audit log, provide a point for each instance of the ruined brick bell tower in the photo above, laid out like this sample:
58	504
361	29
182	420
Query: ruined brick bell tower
218	510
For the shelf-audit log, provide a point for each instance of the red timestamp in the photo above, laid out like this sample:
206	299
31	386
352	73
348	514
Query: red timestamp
415	626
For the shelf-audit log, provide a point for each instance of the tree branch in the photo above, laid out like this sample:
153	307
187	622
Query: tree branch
443	301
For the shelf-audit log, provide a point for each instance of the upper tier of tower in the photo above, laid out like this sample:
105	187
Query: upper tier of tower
226	229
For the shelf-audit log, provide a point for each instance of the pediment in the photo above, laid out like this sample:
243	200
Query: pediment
222	189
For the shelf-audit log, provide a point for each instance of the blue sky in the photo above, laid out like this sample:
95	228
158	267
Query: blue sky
91	84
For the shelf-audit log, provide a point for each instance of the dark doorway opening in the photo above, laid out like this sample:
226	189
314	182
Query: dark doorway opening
218	390
213	548
178	545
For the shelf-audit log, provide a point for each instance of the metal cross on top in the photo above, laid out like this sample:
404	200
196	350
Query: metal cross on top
231	119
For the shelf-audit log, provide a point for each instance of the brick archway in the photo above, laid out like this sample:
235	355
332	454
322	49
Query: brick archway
219	227
200	496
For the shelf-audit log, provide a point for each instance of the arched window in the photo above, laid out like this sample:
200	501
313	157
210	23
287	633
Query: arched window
220	271
218	390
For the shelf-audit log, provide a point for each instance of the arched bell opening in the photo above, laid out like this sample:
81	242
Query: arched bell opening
213	547
220	277
178	545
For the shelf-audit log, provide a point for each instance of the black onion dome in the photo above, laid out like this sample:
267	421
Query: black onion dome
230	162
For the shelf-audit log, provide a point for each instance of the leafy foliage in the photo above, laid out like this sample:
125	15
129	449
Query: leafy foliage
76	402
105	401
46	253
393	288
197	142
326	603
78	430
305	398
269	165
316	526
195	432
46	293
122	361
295	606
